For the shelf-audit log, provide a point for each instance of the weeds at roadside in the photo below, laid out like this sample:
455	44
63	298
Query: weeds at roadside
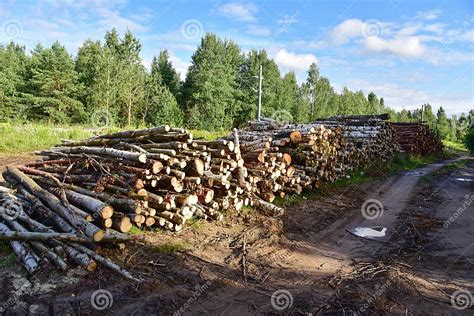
172	247
195	223
246	210
8	261
135	231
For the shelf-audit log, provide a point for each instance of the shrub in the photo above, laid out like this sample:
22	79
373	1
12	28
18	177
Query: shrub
469	140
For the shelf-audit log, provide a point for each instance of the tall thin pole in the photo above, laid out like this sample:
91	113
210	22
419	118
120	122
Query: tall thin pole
260	77
422	112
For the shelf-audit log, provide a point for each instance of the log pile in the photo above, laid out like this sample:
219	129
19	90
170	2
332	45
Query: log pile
43	229
319	152
94	190
158	177
416	138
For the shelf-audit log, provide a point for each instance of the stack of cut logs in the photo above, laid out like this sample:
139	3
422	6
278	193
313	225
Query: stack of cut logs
43	228
320	152
416	138
96	189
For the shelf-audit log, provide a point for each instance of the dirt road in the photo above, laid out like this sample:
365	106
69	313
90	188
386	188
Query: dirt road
306	263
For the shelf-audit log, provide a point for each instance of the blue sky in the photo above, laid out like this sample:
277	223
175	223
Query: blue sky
409	52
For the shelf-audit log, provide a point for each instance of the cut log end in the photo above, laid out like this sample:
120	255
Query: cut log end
98	235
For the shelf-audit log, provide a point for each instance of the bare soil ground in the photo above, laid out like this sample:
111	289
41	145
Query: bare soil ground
14	160
305	263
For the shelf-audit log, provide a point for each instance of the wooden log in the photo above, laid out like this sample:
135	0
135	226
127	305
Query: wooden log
54	203
22	251
110	152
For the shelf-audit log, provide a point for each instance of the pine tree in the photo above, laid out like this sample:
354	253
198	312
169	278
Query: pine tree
442	123
13	63
373	105
289	110
54	80
169	75
428	115
160	106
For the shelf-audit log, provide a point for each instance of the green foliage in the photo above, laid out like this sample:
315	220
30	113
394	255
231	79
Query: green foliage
8	261
107	85
469	140
442	123
169	75
210	87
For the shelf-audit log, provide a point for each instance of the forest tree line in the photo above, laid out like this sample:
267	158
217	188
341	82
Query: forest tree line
106	80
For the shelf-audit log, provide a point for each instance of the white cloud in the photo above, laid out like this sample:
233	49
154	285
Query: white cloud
437	28
244	12
347	30
293	61
113	19
468	36
428	15
448	57
180	65
404	46
259	30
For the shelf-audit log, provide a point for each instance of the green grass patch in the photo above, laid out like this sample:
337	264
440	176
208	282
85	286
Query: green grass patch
207	135
172	247
135	231
452	149
7	261
195	223
245	210
28	137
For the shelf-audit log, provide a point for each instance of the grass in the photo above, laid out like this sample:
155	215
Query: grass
28	137
172	247
207	135
245	210
8	257
452	149
195	223
22	138
8	261
135	231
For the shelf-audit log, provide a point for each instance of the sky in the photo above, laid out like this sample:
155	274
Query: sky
408	52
